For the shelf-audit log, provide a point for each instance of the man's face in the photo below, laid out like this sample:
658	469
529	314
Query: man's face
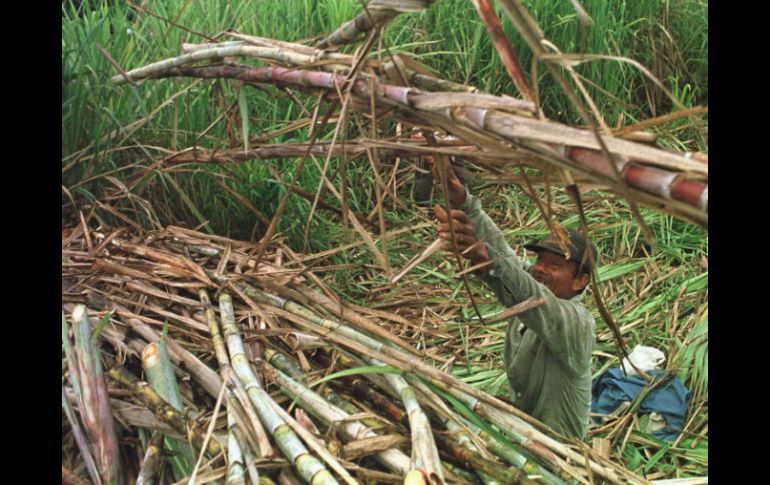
558	274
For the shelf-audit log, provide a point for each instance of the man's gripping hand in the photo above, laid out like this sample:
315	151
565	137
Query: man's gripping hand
464	234
444	166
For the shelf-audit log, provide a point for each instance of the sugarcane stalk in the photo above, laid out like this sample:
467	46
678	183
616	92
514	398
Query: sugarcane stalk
207	378
462	475
417	79
151	464
488	470
363	391
469	459
358	320
461	389
420	80
315	444
249	460
351	150
145	394
303	341
292	370
375	14
527	468
350	338
330	414
464	441
516	429
237	455
506	453
94	404
416	477
496	121
355	28
545	138
198	55
190	48
70	356
350	408
296	309
430	83
80	440
264	447
538	444
308	466
288	150
373	349
424	451
268	42
235	470
161	377
504	49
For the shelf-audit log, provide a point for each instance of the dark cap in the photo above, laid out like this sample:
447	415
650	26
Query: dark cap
577	247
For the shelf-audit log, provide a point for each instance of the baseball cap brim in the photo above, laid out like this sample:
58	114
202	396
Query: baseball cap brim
546	246
554	247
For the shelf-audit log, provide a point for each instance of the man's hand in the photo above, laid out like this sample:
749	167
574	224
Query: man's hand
456	188
444	166
465	234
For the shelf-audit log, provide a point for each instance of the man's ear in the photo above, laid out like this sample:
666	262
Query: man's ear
580	281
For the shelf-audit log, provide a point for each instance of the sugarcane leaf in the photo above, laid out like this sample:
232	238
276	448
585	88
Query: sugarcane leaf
656	457
635	458
369	369
100	327
187	201
699	454
696	283
143	439
609	272
165	329
244	108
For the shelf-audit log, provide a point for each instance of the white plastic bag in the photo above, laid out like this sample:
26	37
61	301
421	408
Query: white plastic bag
644	358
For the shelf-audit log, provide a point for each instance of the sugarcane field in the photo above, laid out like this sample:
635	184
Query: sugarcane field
384	242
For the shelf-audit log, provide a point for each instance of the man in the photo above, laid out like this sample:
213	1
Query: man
548	348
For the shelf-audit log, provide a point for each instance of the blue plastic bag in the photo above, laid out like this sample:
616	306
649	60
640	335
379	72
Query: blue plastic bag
670	399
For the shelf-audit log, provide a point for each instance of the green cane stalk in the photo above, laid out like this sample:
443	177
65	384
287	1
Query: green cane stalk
308	466
160	375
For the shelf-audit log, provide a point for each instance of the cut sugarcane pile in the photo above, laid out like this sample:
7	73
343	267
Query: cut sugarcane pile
184	342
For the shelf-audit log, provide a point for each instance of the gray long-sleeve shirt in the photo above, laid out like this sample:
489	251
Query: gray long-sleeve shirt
547	349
